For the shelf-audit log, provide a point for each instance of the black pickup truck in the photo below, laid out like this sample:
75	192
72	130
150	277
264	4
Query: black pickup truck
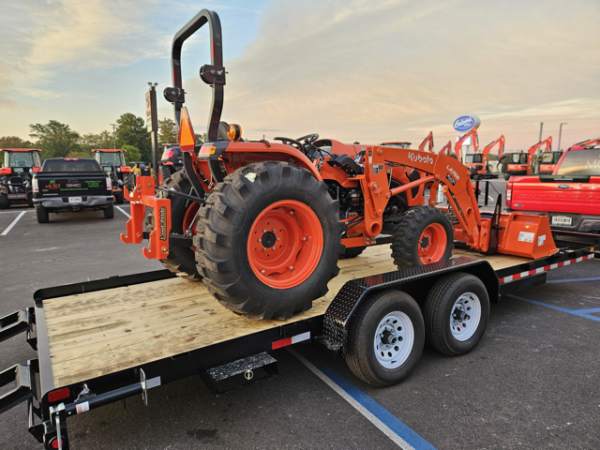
71	184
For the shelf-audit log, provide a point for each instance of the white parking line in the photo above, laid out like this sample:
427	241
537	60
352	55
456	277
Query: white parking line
119	208
14	212
14	222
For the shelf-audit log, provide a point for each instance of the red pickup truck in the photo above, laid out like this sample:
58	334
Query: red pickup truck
570	196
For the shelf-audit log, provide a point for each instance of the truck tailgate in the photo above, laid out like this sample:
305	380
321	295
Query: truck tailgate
558	195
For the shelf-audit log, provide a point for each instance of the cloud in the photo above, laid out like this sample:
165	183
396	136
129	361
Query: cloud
358	70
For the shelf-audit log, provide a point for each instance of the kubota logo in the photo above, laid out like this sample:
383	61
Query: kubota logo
162	222
425	159
451	170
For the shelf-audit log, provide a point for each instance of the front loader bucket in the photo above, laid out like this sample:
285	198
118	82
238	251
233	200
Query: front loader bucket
525	235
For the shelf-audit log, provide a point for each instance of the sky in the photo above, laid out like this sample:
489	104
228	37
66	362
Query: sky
351	70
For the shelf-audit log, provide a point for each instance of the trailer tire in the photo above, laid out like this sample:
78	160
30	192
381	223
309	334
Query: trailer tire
352	252
41	214
4	201
180	260
397	314
422	225
456	313
277	271
109	211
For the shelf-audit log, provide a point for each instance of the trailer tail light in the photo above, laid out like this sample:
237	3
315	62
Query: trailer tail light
35	185
108	184
58	395
54	443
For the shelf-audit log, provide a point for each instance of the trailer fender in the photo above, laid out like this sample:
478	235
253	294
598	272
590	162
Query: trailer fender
415	281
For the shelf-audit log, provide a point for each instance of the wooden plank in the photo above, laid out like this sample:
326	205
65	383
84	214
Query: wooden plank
96	333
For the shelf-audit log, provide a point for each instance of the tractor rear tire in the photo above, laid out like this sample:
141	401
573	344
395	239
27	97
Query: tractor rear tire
423	236
181	260
109	212
352	252
4	202
41	214
268	242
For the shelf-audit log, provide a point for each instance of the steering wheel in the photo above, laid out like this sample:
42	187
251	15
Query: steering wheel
294	143
309	138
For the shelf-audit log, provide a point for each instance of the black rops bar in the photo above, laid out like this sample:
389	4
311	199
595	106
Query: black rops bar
213	74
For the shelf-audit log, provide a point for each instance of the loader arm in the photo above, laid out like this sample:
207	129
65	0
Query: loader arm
438	169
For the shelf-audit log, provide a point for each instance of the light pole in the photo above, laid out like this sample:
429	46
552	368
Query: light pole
114	125
541	128
560	134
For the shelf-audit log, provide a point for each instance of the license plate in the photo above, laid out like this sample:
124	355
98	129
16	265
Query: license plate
562	220
75	200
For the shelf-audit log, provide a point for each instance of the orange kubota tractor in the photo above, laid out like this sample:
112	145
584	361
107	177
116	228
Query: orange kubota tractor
477	162
519	163
264	223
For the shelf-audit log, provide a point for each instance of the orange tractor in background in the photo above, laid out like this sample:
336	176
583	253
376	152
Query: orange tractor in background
519	163
263	224
477	163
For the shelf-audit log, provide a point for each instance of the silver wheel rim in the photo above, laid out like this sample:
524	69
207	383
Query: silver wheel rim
394	340
465	316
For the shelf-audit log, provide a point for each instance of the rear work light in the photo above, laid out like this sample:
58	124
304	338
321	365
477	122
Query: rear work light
58	395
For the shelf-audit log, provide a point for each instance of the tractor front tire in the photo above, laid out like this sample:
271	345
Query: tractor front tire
268	242
423	236
181	260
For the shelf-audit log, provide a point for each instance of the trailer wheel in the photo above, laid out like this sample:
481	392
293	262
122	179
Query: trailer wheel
386	338
456	313
423	236
4	201
109	212
352	252
269	238
181	260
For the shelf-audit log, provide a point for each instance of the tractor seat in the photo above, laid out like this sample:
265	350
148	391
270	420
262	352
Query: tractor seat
346	163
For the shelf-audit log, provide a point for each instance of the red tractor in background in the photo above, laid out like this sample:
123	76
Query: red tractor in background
15	175
264	223
113	163
519	163
170	162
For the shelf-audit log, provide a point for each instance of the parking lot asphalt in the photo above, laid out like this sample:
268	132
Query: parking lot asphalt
532	383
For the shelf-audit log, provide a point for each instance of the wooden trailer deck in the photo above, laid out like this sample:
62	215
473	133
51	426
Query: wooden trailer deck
97	333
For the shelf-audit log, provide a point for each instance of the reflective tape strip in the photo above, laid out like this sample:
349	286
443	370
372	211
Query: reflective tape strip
291	340
545	269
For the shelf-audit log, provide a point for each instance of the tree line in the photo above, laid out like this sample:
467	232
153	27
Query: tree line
58	140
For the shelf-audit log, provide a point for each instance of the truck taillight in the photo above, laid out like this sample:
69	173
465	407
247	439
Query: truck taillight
509	187
35	185
108	184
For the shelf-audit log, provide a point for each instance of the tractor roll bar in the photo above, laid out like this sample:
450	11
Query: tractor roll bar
213	74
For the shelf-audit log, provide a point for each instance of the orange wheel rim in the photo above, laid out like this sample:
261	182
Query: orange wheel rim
432	243
285	244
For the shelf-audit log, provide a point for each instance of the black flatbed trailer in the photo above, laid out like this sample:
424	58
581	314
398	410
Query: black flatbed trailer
105	340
